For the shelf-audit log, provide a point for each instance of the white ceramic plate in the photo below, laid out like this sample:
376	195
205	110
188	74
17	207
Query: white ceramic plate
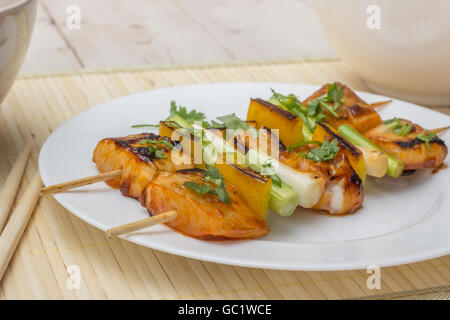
402	221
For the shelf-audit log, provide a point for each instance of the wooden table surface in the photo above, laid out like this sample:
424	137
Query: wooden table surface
131	33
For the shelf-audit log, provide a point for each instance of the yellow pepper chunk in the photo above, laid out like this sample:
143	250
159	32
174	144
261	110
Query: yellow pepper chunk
273	117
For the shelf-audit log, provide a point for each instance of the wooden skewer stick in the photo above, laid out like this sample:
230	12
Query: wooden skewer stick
379	104
81	182
141	224
439	130
9	191
10	237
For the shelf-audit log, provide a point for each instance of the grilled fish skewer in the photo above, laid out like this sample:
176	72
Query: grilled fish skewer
413	151
160	185
340	186
260	110
353	110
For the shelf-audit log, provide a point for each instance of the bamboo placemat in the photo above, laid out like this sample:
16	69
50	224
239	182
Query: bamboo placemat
116	269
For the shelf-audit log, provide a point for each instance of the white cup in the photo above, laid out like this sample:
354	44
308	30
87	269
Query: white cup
401	48
16	26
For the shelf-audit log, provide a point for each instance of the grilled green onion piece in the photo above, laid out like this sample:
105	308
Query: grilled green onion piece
395	167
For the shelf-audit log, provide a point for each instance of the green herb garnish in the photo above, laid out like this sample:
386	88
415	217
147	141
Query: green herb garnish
327	152
292	104
404	130
152	147
221	192
399	128
215	185
334	95
189	117
231	121
267	169
216	125
314	110
201	189
178	112
276	180
153	142
145	126
427	137
302	144
158	154
390	121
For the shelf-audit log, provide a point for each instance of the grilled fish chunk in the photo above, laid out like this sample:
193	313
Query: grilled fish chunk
343	192
202	216
159	185
138	165
343	187
412	151
353	111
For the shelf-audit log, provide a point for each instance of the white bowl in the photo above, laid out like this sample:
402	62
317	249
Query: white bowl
17	19
408	57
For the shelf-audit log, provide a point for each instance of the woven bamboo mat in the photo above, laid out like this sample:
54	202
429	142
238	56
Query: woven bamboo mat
116	269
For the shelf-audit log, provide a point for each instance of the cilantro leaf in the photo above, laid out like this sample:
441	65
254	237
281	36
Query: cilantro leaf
231	121
152	147
399	128
201	189
266	168
330	109
302	144
216	185
320	116
276	180
216	125
313	106
153	142
159	154
206	125
292	104
404	130
313	113
189	117
335	93
213	173
386	122
427	137
327	152
221	192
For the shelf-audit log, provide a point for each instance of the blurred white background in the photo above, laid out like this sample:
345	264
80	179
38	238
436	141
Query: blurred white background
132	33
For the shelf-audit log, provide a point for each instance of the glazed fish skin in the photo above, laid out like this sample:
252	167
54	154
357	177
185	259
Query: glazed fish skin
353	111
412	151
133	158
202	216
159	185
343	187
